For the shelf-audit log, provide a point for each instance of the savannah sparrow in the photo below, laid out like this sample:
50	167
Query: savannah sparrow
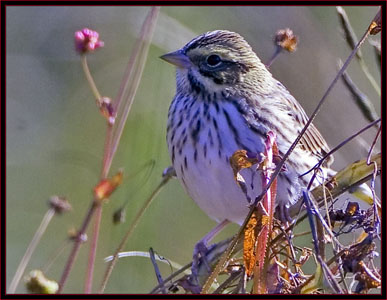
227	100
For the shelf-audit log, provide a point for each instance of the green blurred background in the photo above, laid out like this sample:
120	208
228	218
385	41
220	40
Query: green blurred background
55	134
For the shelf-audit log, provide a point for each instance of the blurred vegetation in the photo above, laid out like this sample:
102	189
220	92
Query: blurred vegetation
55	133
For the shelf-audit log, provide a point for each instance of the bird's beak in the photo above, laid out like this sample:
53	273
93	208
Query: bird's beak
177	58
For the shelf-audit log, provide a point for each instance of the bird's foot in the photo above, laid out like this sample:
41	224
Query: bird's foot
283	214
199	258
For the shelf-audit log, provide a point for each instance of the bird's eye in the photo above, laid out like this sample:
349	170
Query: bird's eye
213	60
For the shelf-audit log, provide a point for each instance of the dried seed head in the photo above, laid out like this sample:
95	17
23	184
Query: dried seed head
286	39
73	235
107	109
37	283
376	24
60	204
352	208
119	216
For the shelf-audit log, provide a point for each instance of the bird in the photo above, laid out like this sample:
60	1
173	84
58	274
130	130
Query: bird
227	100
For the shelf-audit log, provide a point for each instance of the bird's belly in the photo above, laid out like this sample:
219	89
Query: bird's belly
212	186
205	172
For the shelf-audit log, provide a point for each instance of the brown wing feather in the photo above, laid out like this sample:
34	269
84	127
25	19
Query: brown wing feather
312	140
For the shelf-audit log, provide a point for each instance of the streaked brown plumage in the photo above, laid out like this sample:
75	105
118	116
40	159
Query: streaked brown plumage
227	100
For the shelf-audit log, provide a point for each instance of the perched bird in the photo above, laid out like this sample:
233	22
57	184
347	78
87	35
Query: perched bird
227	100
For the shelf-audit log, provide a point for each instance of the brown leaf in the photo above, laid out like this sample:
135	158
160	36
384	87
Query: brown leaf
249	244
304	257
240	160
367	279
260	273
107	186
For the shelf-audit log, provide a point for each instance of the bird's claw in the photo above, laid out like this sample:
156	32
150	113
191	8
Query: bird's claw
283	214
199	257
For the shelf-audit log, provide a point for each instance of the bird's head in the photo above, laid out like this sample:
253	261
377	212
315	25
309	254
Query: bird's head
216	60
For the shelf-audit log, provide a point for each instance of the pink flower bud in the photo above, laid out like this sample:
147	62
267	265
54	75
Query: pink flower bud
87	40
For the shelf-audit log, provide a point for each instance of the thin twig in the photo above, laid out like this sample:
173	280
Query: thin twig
299	288
98	215
370	78
310	213
77	245
373	145
351	39
93	250
330	278
159	258
378	52
275	55
132	77
136	220
376	204
157	270
89	78
227	283
318	165
349	33
57	253
30	249
360	98
318	198
170	277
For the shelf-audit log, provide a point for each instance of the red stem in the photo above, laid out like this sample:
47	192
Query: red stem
112	140
111	144
93	250
76	247
98	217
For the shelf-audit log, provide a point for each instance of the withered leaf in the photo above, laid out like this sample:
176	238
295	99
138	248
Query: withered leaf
249	243
241	160
107	186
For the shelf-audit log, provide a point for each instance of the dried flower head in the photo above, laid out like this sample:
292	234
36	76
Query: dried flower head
285	39
60	204
119	216
37	283
87	40
73	235
376	24
367	279
107	110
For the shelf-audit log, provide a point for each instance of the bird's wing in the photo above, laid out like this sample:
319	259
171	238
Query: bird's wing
312	139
